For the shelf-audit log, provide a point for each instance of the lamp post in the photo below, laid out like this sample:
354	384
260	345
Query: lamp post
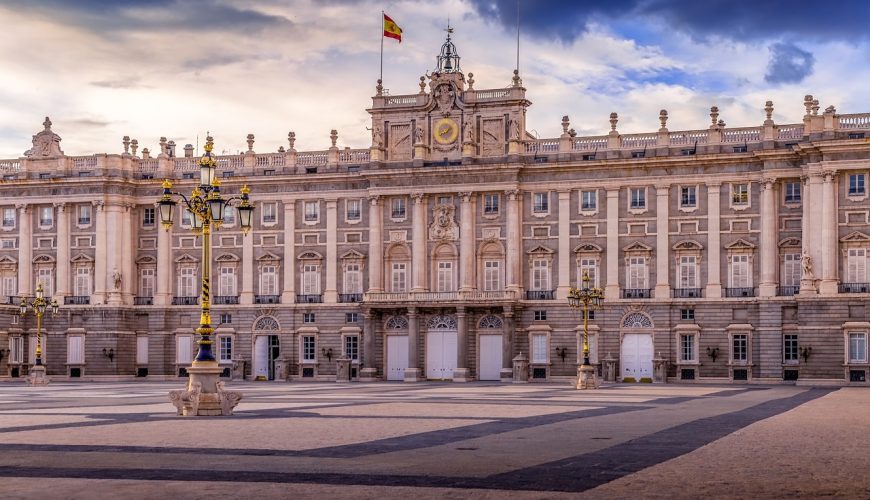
584	299
38	306
206	206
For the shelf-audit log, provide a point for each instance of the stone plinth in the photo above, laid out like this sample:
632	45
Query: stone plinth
37	375
521	369
368	375
461	375
412	374
586	377
205	394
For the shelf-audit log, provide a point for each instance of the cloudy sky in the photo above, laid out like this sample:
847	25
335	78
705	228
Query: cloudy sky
103	69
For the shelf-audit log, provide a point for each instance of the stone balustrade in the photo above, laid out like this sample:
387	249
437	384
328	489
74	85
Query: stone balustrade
432	297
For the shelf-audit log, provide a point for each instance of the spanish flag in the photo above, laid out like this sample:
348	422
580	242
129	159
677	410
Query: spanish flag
391	29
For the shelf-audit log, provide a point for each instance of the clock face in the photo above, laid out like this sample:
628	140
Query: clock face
446	131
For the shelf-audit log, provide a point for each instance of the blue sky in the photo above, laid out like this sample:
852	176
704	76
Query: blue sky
177	68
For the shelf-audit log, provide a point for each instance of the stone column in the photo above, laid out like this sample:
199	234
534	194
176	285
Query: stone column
460	374
128	252
288	294
247	294
714	246
369	370
101	264
164	267
466	243
412	373
767	287
25	251
63	252
507	351
418	243
513	272
564	245
376	245
113	259
663	287
812	238
330	295
828	286
611	289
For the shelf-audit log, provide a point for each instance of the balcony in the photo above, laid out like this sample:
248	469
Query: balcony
688	293
185	301
143	301
787	291
12	300
350	297
225	299
84	221
309	298
854	288
636	293
540	295
438	297
266	299
740	292
77	300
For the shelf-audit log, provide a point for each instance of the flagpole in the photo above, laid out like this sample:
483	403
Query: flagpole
518	36
381	78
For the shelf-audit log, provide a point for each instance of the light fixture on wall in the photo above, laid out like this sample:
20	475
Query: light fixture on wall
109	353
562	352
806	352
713	353
327	352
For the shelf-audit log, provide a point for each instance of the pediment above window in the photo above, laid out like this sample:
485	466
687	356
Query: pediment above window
688	246
228	257
187	259
790	242
309	255
588	248
856	237
43	259
637	247
740	244
146	259
540	250
352	255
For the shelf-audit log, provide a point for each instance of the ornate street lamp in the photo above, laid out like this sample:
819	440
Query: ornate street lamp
586	299
38	306
207	208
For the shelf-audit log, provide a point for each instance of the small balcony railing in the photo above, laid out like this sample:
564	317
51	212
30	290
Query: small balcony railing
350	297
740	292
540	295
267	299
636	293
185	301
12	300
787	291
688	293
225	299
77	300
84	221
854	288
143	301
309	298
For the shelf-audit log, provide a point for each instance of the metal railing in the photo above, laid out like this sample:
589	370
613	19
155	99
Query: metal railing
786	291
143	301
267	299
854	288
636	293
185	301
540	295
77	300
225	299
688	293
350	297
740	292
309	298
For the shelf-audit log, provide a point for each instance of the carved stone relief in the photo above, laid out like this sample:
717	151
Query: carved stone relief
443	225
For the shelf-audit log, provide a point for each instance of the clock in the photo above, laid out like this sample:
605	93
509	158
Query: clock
446	131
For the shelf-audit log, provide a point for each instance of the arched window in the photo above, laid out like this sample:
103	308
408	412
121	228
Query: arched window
637	320
266	323
442	322
490	322
397	323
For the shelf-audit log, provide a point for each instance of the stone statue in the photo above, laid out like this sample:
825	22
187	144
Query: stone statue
469	131
377	137
46	143
807	263
116	279
418	135
514	129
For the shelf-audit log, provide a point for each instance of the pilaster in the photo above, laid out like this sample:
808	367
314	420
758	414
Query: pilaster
128	252
460	374
418	242
714	244
828	286
466	243
412	373
25	250
368	372
513	273
611	288
767	287
564	245
663	287
288	291
506	373
63	252
101	264
164	267
113	259
330	294
247	294
376	245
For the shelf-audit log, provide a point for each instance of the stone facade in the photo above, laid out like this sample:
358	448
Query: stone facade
448	247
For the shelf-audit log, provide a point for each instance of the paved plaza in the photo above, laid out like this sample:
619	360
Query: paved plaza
433	440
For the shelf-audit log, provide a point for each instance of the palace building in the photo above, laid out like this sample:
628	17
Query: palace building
448	248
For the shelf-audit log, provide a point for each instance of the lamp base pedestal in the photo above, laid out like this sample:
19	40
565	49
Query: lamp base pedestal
586	377
205	394
37	375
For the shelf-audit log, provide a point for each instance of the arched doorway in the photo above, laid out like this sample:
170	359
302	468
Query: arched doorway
489	347
396	345
267	347
441	347
636	349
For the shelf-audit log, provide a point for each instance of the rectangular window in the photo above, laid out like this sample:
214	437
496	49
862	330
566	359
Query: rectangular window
183	349
687	348
540	274
8	217
46	216
270	212
739	194
637	198
229	216
269	280
225	349
351	317
398	208
226	319
75	352
44	276
588	267
688	197
187	282
351	347
492	275
16	348
688	272
490	204
352	210
739	346
858	347
445	277
540	349
186	218
308	317
227	281
687	314
312	212
792	192
146	282
790	348
856	265
84	215
399	277
541	204
791	269
149	214
311	279
588	200
10	287
637	273
308	352
352	278
856	185
82	282
142	350
740	277
540	315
